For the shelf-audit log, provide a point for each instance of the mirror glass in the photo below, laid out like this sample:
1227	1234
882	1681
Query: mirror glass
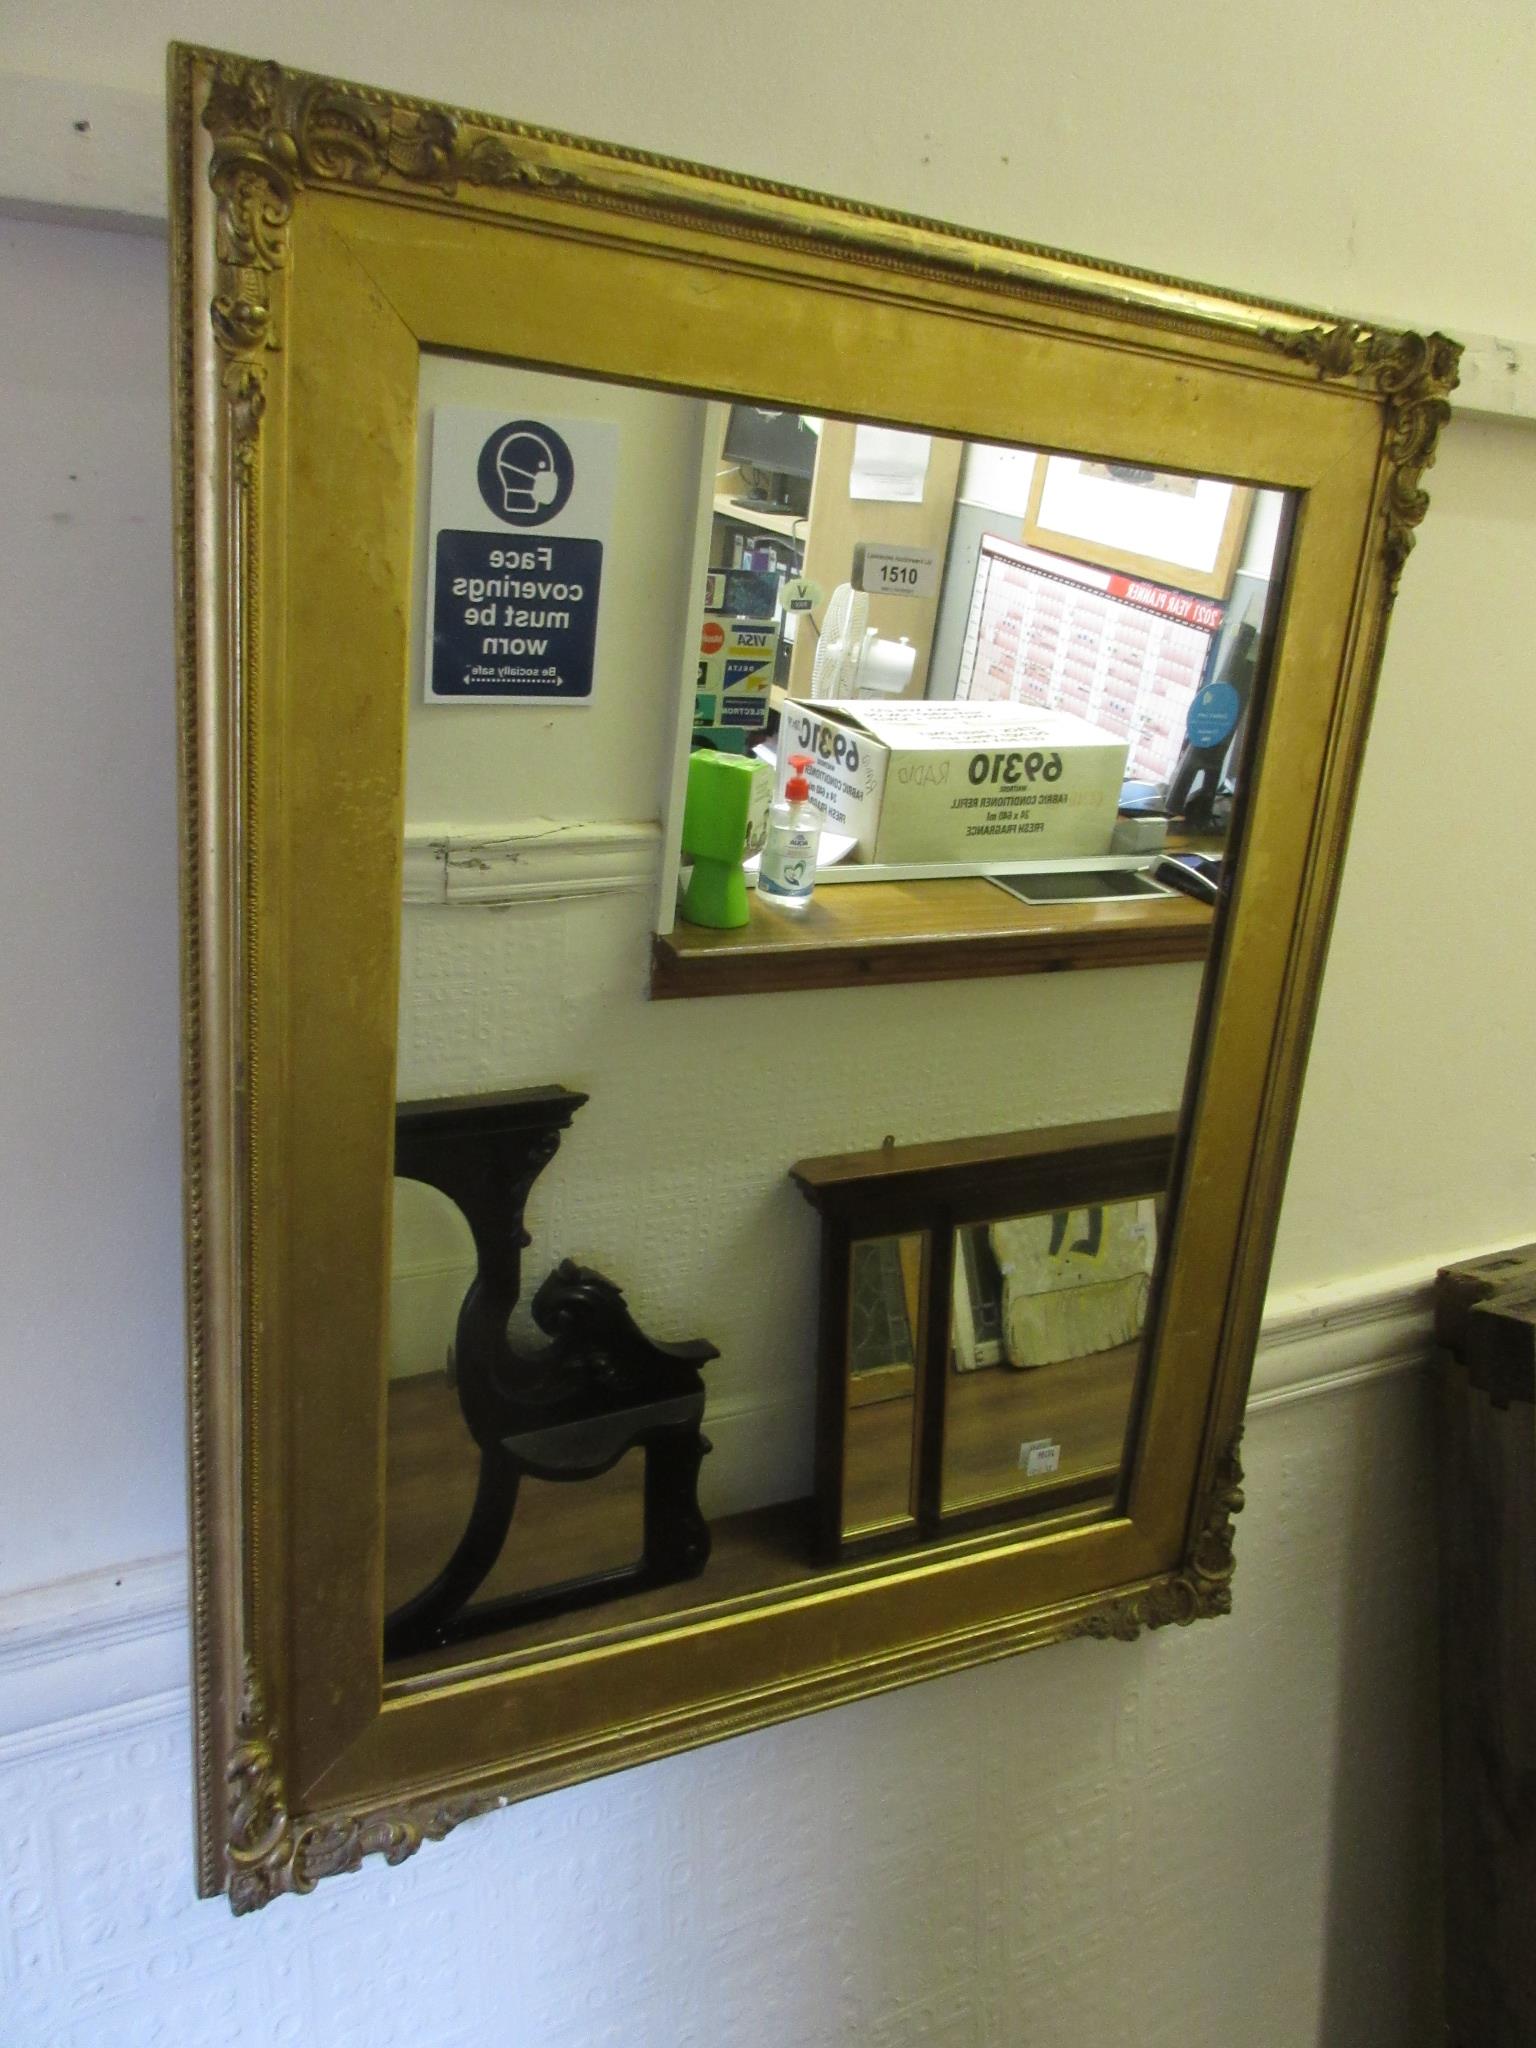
608	580
1047	1318
885	1293
430	1461
432	1457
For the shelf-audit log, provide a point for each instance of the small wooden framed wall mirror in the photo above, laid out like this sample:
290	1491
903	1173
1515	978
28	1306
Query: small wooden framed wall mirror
519	476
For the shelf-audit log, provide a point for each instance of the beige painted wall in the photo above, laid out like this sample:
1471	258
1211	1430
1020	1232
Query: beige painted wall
1304	149
477	765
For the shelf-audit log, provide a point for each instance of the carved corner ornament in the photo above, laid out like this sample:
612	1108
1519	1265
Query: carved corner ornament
1201	1588
251	176
1415	374
273	131
268	1853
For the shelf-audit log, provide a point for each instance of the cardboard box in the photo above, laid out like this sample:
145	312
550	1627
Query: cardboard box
942	781
736	660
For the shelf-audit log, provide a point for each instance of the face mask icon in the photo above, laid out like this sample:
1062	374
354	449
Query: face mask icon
525	463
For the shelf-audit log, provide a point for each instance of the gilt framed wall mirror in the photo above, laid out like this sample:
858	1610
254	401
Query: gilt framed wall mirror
519	476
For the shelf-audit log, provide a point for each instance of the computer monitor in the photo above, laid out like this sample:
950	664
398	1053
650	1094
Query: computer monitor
776	454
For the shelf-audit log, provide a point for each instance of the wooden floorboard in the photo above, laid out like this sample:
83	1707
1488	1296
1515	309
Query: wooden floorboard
564	1531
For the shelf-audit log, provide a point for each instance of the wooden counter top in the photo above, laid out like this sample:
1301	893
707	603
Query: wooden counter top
856	933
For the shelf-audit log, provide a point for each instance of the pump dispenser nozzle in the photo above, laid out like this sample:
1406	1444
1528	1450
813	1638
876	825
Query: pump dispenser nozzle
786	873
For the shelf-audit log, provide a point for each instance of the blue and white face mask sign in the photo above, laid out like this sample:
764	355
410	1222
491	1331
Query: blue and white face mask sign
521	512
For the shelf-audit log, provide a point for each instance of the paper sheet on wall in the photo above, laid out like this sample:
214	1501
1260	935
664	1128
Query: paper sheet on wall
888	465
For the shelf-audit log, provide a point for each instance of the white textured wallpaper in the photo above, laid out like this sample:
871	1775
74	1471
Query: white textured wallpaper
1211	1837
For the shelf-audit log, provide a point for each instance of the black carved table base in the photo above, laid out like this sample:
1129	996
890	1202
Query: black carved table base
567	1412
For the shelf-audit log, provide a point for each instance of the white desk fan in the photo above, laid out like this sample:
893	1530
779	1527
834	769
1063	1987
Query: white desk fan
845	633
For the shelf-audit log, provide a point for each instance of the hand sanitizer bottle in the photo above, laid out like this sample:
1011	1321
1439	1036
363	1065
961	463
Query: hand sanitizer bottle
787	872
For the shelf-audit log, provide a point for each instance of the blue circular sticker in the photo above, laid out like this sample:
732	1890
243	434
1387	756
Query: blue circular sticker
525	473
1213	715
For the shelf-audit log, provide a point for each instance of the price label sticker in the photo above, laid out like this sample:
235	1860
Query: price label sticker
1039	1459
888	571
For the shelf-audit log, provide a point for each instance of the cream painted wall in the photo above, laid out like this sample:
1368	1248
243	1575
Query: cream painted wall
90	1288
1416	1132
483	765
1306	149
1209	1837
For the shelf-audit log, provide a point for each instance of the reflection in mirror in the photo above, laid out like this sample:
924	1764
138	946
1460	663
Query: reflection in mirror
1047	1317
431	1455
1108	603
885	1292
1044	668
556	1419
432	1261
1025	681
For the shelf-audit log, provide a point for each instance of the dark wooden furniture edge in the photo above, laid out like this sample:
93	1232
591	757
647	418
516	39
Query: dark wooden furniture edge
944	1174
1484	1312
1485	1451
932	1187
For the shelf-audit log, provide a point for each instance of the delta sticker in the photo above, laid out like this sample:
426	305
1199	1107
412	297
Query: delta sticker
520	519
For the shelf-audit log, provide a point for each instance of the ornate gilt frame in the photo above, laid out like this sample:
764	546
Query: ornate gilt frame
321	233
